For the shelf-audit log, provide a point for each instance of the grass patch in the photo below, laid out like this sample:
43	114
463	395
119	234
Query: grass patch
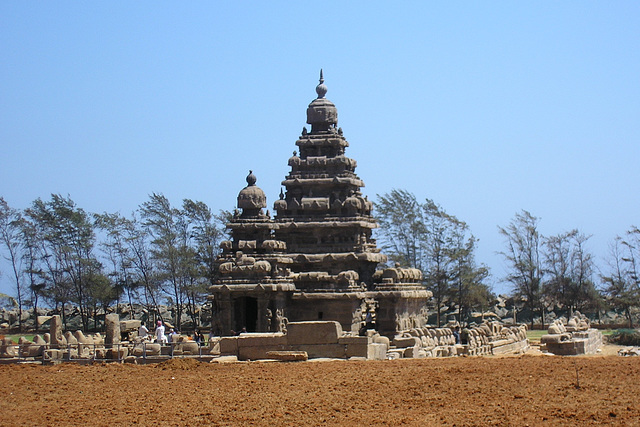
16	337
534	335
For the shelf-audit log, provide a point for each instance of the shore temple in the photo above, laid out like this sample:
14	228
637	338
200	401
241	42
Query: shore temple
315	259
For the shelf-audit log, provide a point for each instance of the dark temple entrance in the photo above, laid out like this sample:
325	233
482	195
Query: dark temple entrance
246	313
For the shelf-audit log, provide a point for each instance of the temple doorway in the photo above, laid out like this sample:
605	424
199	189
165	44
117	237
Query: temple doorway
246	313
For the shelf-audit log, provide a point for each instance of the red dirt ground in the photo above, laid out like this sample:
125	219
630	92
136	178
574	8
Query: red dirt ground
465	391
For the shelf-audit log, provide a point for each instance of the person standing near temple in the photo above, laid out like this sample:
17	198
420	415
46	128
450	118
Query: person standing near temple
198	337
161	338
143	332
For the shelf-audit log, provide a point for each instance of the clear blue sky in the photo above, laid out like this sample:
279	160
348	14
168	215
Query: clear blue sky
487	108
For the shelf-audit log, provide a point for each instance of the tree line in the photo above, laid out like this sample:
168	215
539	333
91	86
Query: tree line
423	235
559	271
545	272
61	256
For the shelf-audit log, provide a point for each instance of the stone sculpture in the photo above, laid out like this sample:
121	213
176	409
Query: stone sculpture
7	348
573	339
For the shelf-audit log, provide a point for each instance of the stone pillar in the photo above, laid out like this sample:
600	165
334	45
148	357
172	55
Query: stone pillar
55	332
112	323
223	315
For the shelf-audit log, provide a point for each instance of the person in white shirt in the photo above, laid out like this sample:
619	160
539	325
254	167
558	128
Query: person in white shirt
160	336
143	332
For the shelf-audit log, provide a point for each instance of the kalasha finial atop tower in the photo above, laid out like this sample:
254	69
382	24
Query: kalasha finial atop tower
321	89
322	115
251	179
251	198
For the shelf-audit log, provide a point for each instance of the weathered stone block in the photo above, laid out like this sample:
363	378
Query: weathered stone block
229	346
313	333
262	339
137	350
555	338
403	342
357	350
117	353
500	343
188	348
152	349
288	356
379	339
412	352
71	339
257	353
333	351
349	339
214	346
510	348
224	359
376	351
131	359
394	354
54	354
32	349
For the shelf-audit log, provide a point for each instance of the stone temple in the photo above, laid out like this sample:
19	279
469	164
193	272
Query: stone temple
316	258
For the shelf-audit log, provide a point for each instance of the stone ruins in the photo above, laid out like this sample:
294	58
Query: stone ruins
315	260
576	338
305	283
301	341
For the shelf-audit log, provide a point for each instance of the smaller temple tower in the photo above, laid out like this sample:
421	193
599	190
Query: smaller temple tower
255	278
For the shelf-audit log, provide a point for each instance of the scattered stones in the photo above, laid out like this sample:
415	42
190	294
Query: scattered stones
629	351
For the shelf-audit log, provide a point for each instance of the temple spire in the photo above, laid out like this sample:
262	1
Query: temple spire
321	89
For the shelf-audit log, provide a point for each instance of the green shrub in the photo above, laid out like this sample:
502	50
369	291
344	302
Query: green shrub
629	337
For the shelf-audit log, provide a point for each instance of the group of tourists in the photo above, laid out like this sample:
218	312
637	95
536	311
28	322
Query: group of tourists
161	337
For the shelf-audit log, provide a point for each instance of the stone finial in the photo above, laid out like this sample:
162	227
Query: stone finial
251	179
251	198
321	89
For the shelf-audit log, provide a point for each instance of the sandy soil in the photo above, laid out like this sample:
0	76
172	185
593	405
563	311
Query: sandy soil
510	391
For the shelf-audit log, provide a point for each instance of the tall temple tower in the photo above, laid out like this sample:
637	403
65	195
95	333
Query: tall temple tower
316	260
